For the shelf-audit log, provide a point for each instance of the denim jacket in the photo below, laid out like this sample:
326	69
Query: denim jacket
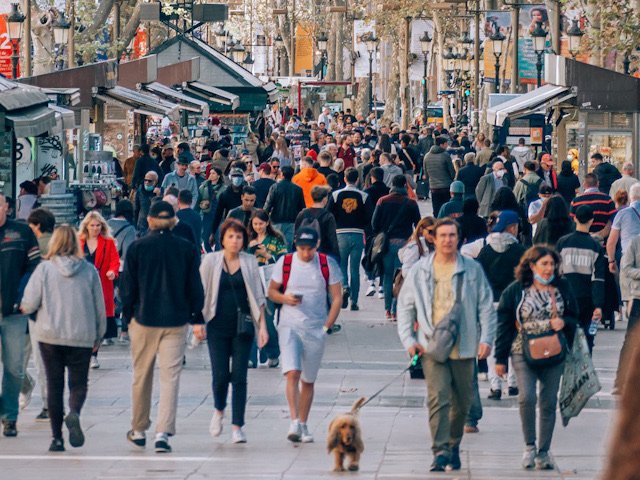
479	316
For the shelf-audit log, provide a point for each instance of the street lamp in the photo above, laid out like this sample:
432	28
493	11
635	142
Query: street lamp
322	46
279	43
626	61
539	35
61	27
425	44
237	52
372	44
497	38
15	21
449	63
575	37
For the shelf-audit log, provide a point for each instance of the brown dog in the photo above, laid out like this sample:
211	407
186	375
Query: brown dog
345	438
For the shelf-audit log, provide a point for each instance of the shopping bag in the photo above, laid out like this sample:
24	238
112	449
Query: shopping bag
579	379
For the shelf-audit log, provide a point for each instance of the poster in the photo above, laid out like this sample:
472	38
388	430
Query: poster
497	21
527	57
6	49
360	30
304	50
416	69
140	43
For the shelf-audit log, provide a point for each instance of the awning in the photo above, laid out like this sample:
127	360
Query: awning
185	102
543	97
15	96
65	118
212	94
31	122
72	94
139	102
272	91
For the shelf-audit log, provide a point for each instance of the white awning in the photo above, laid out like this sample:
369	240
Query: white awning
185	102
212	94
534	101
143	103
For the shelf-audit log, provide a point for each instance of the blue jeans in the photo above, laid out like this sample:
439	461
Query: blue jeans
475	412
13	330
390	263
287	229
351	246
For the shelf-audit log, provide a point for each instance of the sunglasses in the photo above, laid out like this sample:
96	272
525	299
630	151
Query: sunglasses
275	167
148	180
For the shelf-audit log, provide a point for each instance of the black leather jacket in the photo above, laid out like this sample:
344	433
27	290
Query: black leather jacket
284	201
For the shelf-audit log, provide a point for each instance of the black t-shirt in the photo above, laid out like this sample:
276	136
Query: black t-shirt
225	324
567	185
473	227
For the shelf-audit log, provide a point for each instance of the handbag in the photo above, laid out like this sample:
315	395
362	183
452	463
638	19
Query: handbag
445	333
244	321
380	244
543	349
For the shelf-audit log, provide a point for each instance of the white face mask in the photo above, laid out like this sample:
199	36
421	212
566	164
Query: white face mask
500	173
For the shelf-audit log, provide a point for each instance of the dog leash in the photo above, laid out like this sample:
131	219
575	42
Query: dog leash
414	362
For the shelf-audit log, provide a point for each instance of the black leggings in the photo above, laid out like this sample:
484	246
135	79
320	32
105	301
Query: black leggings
221	350
76	360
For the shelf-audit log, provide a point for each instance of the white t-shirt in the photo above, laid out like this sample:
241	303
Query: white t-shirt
306	279
534	209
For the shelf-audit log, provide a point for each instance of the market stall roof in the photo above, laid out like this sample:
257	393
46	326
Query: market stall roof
14	96
186	102
139	102
212	94
31	122
65	118
72	94
540	98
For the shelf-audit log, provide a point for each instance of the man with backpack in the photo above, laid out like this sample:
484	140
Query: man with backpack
526	189
302	282
322	221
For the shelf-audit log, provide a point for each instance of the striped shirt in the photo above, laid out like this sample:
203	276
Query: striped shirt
603	207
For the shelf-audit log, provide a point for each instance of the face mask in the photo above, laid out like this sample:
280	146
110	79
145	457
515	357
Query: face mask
544	281
149	188
237	181
500	173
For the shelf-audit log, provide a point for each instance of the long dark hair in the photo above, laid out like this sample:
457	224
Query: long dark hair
385	143
565	168
524	274
264	216
504	199
556	211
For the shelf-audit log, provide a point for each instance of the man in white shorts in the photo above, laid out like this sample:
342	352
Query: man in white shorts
302	282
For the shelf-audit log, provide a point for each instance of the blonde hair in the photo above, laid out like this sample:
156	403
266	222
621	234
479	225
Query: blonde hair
94	216
64	243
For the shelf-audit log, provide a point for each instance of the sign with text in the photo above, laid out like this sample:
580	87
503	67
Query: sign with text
6	49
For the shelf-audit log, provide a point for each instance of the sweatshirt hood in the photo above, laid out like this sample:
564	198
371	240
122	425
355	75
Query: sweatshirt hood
68	266
309	174
500	242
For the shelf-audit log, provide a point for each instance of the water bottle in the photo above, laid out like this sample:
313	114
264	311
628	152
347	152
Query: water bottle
593	328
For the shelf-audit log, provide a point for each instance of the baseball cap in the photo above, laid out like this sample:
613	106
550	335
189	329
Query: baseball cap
584	213
236	172
456	187
506	218
162	210
306	237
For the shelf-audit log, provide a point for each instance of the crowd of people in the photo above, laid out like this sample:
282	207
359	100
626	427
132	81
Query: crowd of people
256	252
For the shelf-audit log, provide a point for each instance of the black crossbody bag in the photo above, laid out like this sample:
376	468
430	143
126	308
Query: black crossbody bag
244	322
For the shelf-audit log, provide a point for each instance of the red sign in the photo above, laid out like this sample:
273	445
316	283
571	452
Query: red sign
6	49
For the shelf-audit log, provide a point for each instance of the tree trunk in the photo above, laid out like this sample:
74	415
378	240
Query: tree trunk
403	67
42	38
339	56
130	29
99	19
331	53
393	86
442	84
361	103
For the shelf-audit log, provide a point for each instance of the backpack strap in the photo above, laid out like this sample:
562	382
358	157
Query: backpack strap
286	271
324	268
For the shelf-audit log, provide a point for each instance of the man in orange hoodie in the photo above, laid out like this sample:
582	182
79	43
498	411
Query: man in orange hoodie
307	178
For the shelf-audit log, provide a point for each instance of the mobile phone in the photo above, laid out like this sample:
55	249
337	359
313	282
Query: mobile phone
298	296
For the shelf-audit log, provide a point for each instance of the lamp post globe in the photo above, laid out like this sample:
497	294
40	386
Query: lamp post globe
575	37
497	40
14	26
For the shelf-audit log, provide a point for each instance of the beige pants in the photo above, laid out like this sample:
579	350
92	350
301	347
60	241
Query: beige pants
168	344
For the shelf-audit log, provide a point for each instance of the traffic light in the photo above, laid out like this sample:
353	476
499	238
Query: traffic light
467	92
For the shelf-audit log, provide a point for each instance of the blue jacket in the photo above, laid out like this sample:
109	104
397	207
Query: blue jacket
479	315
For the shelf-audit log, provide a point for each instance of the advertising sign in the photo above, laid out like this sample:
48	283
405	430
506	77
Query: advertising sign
6	49
497	21
527	58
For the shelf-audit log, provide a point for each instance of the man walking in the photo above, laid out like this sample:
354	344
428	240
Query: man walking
284	202
182	180
438	170
429	292
352	211
188	215
19	256
321	220
607	173
159	318
305	320
625	182
487	187
245	211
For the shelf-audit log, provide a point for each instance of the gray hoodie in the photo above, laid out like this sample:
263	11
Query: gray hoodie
66	293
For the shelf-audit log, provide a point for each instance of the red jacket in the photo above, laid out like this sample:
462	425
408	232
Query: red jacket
107	259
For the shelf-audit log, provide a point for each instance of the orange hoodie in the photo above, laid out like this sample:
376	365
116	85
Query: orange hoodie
306	179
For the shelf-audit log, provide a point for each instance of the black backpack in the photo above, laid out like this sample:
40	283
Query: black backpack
532	192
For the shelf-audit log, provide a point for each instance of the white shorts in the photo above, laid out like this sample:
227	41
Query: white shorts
302	350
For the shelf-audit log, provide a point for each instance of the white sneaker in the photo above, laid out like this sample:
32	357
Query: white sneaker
94	363
238	436
371	290
381	293
215	427
25	399
295	431
305	436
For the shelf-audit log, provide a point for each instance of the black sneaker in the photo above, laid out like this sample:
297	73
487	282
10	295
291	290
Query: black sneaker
9	428
162	445
454	462
345	297
57	445
495	395
76	437
137	438
513	391
43	416
439	464
354	307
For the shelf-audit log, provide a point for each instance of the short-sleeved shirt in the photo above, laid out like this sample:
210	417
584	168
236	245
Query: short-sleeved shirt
534	209
306	279
602	205
627	222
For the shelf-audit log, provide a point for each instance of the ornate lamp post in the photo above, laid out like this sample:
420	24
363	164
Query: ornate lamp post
61	28
372	46
14	23
425	44
539	35
238	52
449	60
497	39
279	43
575	37
322	46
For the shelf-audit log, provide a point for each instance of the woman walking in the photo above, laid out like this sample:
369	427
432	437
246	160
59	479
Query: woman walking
556	222
233	310
99	249
208	202
283	153
66	293
538	302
